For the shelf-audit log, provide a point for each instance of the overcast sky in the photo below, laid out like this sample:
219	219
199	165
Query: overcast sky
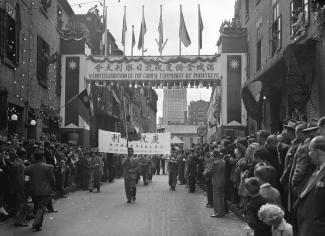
213	13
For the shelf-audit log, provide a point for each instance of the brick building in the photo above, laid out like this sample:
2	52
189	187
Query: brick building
286	58
197	112
29	75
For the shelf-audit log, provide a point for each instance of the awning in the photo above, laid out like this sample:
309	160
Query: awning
176	140
300	60
273	73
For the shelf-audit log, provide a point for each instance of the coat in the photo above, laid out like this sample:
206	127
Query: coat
301	170
42	180
17	175
218	173
252	208
131	167
310	206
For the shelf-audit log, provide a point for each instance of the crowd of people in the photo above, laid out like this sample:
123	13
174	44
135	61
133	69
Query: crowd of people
277	181
27	187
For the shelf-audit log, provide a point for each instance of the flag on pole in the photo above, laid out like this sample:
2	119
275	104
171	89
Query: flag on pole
161	32
133	38
200	28
143	30
183	34
124	28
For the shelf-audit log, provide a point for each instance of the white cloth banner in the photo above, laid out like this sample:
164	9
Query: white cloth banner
150	143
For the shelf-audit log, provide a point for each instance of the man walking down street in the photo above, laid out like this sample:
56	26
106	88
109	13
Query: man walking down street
173	166
130	168
42	182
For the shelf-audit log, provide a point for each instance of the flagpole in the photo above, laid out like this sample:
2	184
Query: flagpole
180	43
124	31
199	32
142	33
105	28
132	41
159	23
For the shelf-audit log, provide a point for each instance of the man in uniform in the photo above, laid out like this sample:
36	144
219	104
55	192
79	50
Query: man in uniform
130	170
173	166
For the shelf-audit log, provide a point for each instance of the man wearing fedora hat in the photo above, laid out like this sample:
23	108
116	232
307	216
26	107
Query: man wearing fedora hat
310	204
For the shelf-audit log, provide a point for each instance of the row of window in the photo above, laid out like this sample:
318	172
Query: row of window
10	26
299	12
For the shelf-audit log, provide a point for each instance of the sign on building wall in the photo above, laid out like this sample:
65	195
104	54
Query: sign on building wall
169	68
150	143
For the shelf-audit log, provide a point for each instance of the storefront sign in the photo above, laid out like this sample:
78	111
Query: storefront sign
153	69
150	143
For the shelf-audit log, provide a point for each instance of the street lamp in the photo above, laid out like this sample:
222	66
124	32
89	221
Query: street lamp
33	122
14	117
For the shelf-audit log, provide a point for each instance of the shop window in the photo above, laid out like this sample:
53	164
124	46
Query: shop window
43	52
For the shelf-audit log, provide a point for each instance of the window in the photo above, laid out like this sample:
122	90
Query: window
59	18
247	8
292	15
259	47
45	4
276	29
9	40
43	53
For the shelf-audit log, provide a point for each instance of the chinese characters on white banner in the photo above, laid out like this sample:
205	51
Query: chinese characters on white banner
150	143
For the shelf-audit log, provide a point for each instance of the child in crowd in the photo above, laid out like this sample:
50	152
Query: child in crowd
272	195
273	215
252	186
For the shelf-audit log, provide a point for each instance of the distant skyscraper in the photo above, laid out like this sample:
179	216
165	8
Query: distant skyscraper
197	112
174	106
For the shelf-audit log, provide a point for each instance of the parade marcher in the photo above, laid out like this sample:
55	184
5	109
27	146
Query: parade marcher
144	168
42	182
181	159
158	164
94	175
310	203
163	160
131	168
3	177
192	171
173	166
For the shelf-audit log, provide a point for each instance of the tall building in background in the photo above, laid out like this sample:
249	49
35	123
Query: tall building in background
197	112
174	106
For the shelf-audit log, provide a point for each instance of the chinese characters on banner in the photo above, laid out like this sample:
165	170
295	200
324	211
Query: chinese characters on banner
150	143
145	68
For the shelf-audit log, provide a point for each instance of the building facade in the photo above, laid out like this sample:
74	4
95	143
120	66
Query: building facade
174	106
29	66
197	112
286	60
186	133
